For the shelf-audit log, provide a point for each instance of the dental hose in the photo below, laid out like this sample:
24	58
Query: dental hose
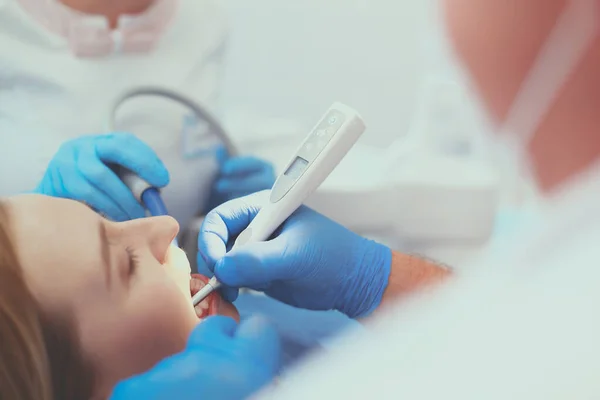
155	205
153	202
146	194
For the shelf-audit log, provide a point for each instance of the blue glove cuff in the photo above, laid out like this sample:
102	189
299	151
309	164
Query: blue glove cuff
363	293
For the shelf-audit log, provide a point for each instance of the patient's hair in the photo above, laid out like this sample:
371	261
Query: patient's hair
40	355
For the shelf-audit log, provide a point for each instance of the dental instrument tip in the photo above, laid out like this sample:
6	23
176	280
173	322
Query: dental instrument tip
205	291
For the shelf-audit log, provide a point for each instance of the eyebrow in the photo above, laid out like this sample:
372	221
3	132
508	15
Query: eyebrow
105	252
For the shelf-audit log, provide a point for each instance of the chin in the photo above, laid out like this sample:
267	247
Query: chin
214	303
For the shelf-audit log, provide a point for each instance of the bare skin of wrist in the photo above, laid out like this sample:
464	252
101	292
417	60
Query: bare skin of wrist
411	273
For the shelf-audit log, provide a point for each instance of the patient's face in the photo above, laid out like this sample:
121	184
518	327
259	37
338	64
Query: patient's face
126	287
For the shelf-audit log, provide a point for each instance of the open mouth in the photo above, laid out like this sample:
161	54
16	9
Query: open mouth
214	304
208	306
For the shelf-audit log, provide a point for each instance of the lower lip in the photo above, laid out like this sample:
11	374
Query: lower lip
208	306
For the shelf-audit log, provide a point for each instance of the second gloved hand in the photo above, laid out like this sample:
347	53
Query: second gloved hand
239	176
221	362
80	171
312	262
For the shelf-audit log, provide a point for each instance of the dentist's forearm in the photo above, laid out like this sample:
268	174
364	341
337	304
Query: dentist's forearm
411	273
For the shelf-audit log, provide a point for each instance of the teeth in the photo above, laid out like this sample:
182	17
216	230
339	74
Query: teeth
202	308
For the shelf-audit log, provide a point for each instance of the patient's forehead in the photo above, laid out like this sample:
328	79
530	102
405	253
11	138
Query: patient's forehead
57	243
41	218
41	205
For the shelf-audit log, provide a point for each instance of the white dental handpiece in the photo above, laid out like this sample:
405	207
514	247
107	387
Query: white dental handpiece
322	150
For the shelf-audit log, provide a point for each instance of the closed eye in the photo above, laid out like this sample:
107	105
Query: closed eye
133	261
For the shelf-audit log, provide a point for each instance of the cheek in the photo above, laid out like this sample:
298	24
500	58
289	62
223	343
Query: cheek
131	336
162	302
159	322
213	304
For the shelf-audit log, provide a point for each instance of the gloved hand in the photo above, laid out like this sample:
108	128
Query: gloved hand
311	262
222	361
79	171
239	176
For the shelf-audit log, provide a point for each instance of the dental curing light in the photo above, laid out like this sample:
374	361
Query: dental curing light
322	150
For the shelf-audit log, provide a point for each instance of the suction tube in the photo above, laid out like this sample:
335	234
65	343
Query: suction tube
153	202
155	205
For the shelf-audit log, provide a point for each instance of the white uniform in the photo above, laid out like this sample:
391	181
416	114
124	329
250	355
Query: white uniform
522	323
48	96
526	326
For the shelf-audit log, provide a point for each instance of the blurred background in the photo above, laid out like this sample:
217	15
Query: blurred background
293	59
423	178
423	161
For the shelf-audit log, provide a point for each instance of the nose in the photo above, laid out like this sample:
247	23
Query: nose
156	232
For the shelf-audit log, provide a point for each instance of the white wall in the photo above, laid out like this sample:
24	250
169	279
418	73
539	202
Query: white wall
291	59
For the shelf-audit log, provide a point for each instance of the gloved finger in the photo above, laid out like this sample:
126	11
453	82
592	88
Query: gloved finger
244	166
254	264
224	223
212	239
236	187
221	156
176	377
257	339
229	294
211	330
108	183
75	186
130	152
202	266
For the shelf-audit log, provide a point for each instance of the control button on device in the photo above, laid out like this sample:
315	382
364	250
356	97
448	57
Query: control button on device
334	120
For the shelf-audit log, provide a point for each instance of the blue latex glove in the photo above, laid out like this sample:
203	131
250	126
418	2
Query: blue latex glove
222	361
79	171
239	176
312	262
